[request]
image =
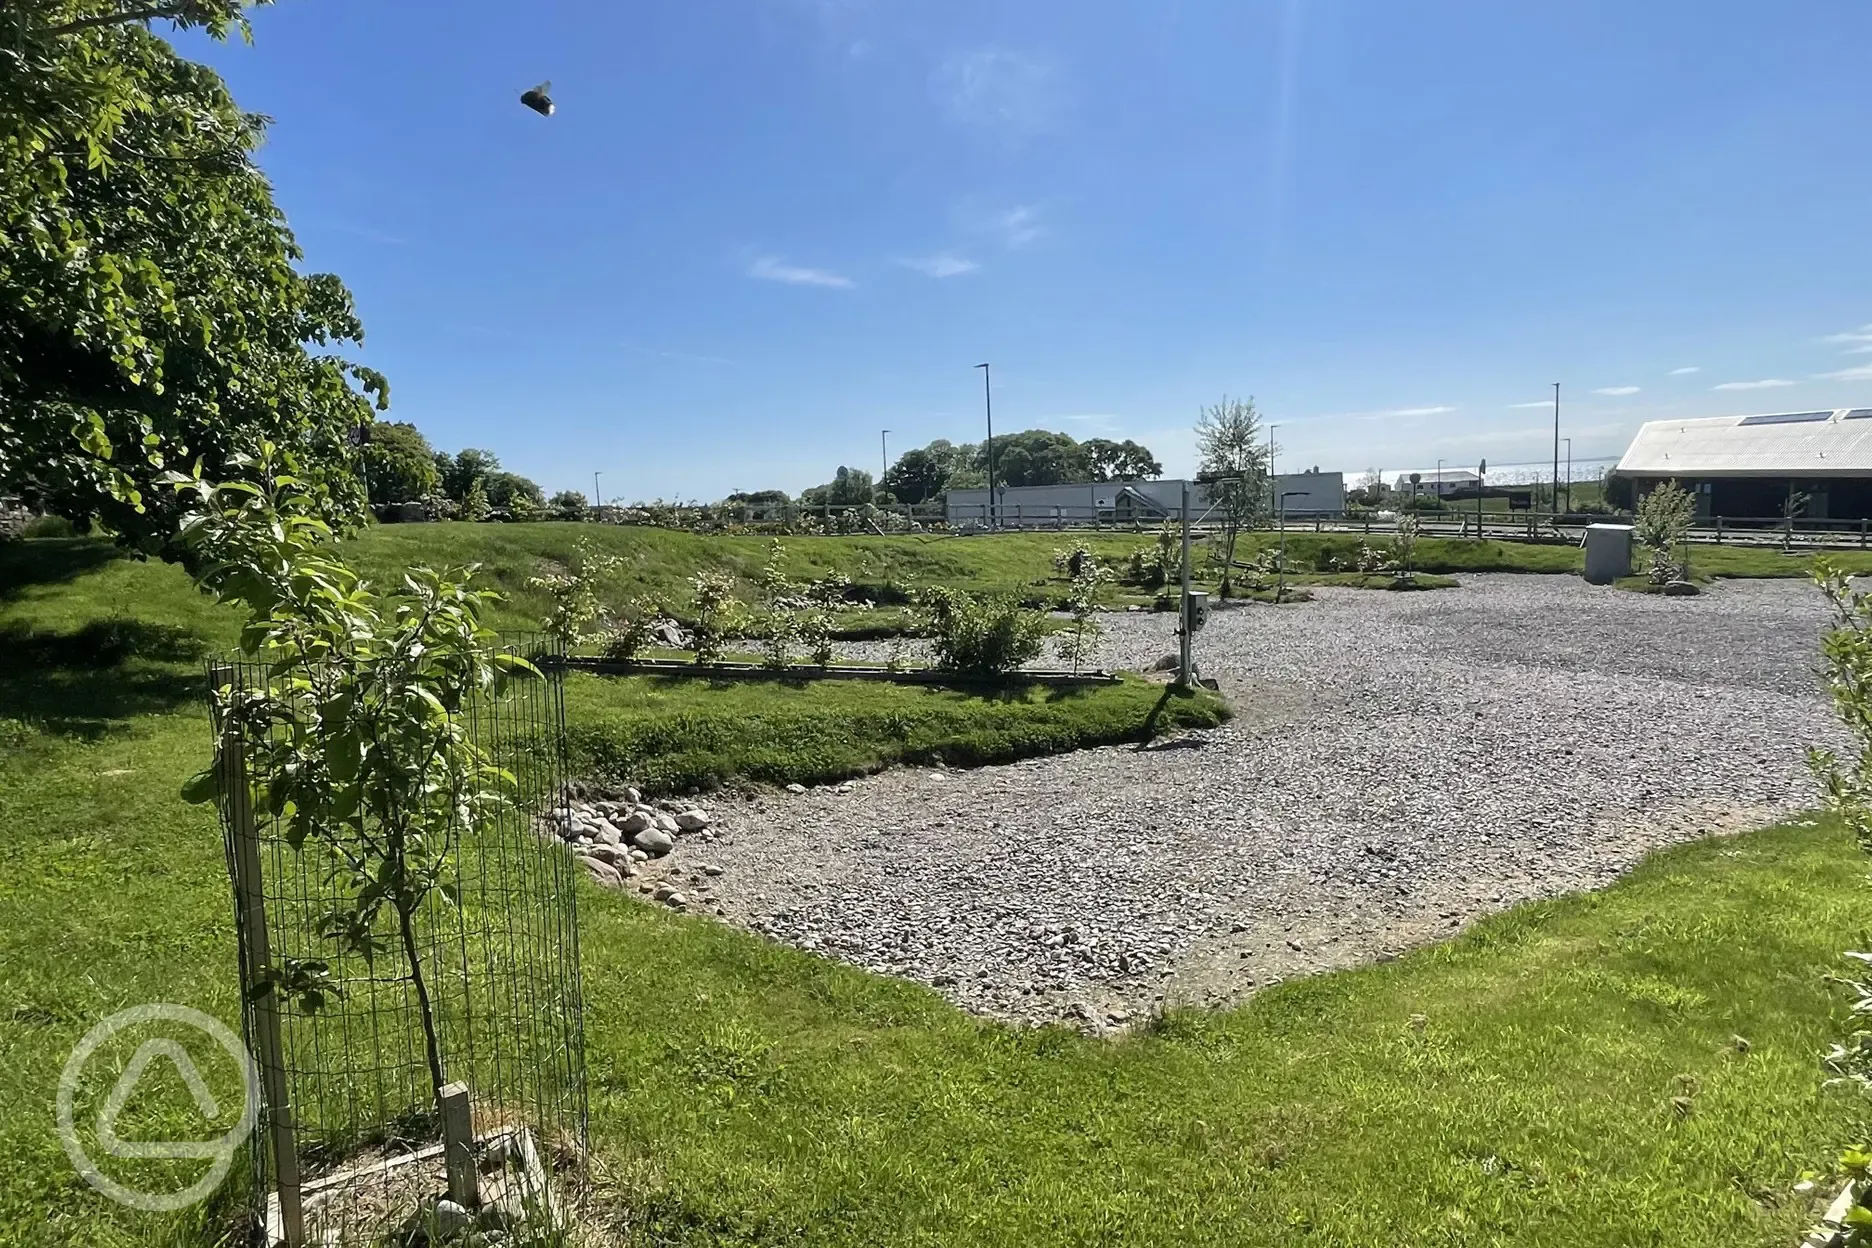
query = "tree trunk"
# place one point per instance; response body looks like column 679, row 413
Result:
column 432, row 1046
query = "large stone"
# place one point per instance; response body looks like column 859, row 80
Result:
column 692, row 821
column 637, row 821
column 451, row 1218
column 603, row 872
column 606, row 833
column 654, row 841
column 667, row 823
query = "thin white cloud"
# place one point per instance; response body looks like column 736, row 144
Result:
column 942, row 264
column 773, row 269
column 1862, row 373
column 1767, row 383
column 1009, row 94
column 1016, row 227
column 1389, row 413
column 683, row 356
column 1685, row 372
column 1616, row 392
column 1535, row 403
column 1860, row 340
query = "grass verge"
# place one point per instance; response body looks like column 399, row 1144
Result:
column 668, row 734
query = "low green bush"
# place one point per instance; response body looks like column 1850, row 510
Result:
column 984, row 636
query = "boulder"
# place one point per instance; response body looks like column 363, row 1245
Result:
column 667, row 823
column 637, row 821
column 654, row 841
column 603, row 872
column 606, row 833
column 692, row 821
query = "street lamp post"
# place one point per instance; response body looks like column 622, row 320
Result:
column 883, row 456
column 1440, row 491
column 597, row 498
column 1569, row 472
column 988, row 408
column 1272, row 487
column 1556, row 445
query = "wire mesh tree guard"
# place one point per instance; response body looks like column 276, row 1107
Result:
column 356, row 1143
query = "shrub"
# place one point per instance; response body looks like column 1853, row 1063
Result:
column 574, row 593
column 475, row 504
column 982, row 636
column 716, row 614
column 1846, row 653
column 630, row 632
column 1404, row 545
column 1661, row 525
column 1076, row 644
column 47, row 526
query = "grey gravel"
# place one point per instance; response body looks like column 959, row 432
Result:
column 1401, row 764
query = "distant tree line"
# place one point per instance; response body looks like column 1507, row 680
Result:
column 401, row 467
column 1034, row 457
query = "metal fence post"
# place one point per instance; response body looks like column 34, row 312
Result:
column 256, row 970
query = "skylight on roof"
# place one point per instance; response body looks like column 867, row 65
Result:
column 1784, row 418
column 1858, row 413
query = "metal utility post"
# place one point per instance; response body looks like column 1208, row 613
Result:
column 1480, row 472
column 1569, row 472
column 1556, row 445
column 597, row 498
column 988, row 407
column 884, row 458
column 1272, row 486
column 1280, row 569
column 1185, row 673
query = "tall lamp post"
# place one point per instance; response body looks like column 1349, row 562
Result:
column 883, row 455
column 597, row 498
column 1272, row 487
column 1556, row 445
column 988, row 407
column 1569, row 472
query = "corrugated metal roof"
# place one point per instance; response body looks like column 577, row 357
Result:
column 1836, row 443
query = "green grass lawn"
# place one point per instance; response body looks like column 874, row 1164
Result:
column 744, row 1093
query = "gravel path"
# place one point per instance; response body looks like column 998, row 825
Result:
column 1401, row 764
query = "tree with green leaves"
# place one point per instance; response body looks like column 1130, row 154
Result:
column 1037, row 457
column 358, row 739
column 568, row 505
column 1107, row 460
column 399, row 463
column 460, row 471
column 849, row 487
column 151, row 308
column 1234, row 461
column 918, row 475
column 512, row 493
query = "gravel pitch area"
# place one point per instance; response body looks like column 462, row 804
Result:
column 1400, row 764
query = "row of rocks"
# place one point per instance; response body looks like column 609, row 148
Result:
column 618, row 836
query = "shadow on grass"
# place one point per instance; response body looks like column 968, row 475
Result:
column 78, row 683
column 50, row 561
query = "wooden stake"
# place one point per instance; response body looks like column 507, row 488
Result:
column 458, row 1147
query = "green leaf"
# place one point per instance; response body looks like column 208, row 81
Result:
column 202, row 787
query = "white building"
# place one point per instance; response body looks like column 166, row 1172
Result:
column 1303, row 494
column 1438, row 481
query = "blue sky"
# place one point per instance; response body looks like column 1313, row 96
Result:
column 759, row 231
